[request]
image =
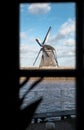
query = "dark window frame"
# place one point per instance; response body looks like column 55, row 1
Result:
column 77, row 72
column 11, row 71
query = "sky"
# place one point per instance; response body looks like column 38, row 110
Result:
column 34, row 22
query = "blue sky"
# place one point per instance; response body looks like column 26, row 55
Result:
column 34, row 21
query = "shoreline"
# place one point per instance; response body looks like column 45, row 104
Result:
column 47, row 68
column 54, row 79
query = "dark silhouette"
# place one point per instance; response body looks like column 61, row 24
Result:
column 26, row 114
column 13, row 117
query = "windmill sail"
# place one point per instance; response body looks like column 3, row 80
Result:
column 37, row 57
column 47, row 35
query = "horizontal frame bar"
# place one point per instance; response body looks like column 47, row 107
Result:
column 48, row 73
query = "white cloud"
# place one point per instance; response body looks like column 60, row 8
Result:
column 23, row 35
column 40, row 8
column 66, row 56
column 67, row 28
column 25, row 48
column 66, row 31
column 69, row 42
column 28, row 53
column 64, row 51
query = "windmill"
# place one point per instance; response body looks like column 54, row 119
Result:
column 48, row 58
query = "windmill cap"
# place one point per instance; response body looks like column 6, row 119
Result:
column 49, row 47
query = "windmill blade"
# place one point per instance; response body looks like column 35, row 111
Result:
column 37, row 56
column 55, row 58
column 47, row 35
column 38, row 41
column 56, row 61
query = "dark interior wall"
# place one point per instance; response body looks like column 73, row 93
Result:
column 10, row 74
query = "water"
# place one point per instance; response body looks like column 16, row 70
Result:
column 56, row 95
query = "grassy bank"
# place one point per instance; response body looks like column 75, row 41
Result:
column 50, row 79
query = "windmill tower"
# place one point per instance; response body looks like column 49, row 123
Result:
column 48, row 58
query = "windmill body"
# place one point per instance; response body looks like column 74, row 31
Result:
column 48, row 61
column 48, row 58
